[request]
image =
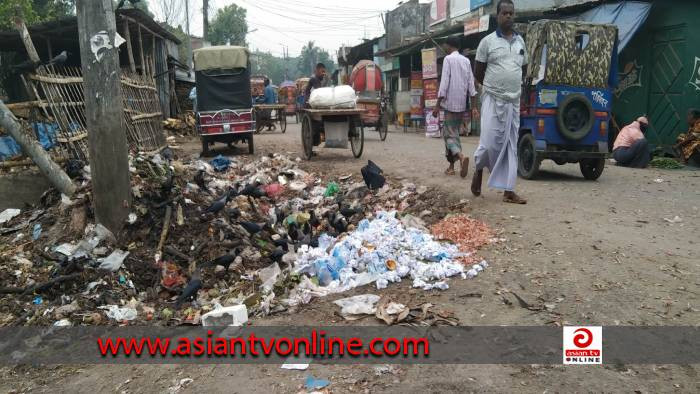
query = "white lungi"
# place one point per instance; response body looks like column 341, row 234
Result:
column 498, row 145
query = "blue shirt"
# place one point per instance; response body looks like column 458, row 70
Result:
column 270, row 96
column 193, row 97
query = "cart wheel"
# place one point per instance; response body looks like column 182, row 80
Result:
column 283, row 122
column 383, row 127
column 307, row 136
column 357, row 137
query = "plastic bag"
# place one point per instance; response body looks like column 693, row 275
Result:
column 372, row 175
column 343, row 96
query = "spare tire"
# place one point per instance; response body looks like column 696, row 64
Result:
column 575, row 117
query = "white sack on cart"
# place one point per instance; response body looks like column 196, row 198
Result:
column 342, row 96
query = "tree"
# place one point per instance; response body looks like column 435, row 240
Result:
column 312, row 55
column 229, row 26
column 172, row 11
column 33, row 11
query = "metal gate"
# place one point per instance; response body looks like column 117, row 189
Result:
column 667, row 84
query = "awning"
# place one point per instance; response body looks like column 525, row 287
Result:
column 628, row 16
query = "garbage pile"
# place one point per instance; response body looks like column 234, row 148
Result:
column 206, row 236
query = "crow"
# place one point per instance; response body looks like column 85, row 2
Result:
column 313, row 221
column 281, row 243
column 199, row 179
column 224, row 260
column 26, row 66
column 253, row 190
column 217, row 205
column 277, row 255
column 349, row 212
column 59, row 59
column 190, row 291
column 250, row 227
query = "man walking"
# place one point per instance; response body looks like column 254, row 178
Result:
column 500, row 64
column 456, row 87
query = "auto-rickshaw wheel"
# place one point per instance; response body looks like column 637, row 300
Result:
column 283, row 121
column 383, row 127
column 307, row 136
column 356, row 134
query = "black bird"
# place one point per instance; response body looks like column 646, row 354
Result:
column 232, row 193
column 314, row 242
column 59, row 59
column 281, row 243
column 277, row 255
column 199, row 179
column 217, row 205
column 224, row 260
column 307, row 228
column 25, row 66
column 252, row 228
column 190, row 291
column 253, row 190
column 293, row 232
column 349, row 212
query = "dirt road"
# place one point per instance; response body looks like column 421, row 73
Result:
column 595, row 253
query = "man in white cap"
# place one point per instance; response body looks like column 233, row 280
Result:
column 631, row 148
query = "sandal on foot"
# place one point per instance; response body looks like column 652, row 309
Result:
column 450, row 172
column 514, row 199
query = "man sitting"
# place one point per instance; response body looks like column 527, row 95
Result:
column 631, row 148
column 688, row 145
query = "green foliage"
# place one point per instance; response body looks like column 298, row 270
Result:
column 666, row 163
column 229, row 26
column 312, row 55
column 33, row 11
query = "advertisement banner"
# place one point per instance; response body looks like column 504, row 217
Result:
column 476, row 24
column 417, row 107
column 459, row 7
column 432, row 125
column 429, row 58
column 438, row 11
column 416, row 80
column 479, row 3
column 430, row 92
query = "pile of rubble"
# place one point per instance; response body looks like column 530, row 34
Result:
column 261, row 233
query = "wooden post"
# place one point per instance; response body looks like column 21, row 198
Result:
column 127, row 37
column 153, row 56
column 104, row 113
column 27, row 40
column 143, row 62
column 48, row 168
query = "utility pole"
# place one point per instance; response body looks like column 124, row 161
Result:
column 205, row 19
column 109, row 156
column 189, row 37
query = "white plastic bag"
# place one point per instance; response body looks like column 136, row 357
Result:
column 342, row 96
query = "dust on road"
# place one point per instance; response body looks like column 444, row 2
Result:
column 595, row 253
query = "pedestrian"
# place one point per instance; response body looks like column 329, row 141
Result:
column 319, row 80
column 456, row 89
column 270, row 97
column 631, row 148
column 501, row 59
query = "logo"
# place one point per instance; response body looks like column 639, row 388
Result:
column 599, row 97
column 695, row 78
column 629, row 78
column 583, row 345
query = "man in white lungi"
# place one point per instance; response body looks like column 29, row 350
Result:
column 501, row 60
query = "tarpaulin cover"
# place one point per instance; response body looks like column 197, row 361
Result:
column 366, row 76
column 628, row 16
column 223, row 89
column 220, row 57
column 45, row 134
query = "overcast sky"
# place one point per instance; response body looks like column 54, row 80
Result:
column 330, row 23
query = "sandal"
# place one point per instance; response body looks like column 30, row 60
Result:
column 464, row 171
column 514, row 199
column 449, row 172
